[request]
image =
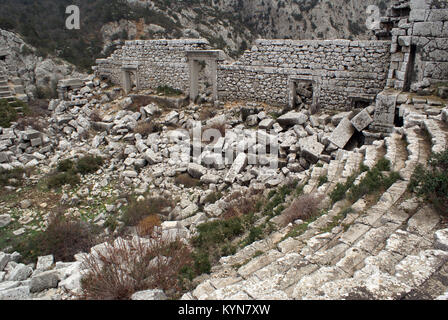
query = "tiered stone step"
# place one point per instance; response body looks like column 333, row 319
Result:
column 438, row 136
column 395, row 151
column 5, row 92
column 247, row 281
column 382, row 252
column 398, row 250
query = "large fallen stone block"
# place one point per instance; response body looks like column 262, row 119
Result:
column 292, row 118
column 238, row 165
column 342, row 134
column 44, row 280
column 20, row 273
column 311, row 149
column 19, row 293
column 44, row 263
column 362, row 120
column 266, row 124
column 31, row 134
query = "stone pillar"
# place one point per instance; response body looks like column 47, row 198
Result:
column 194, row 79
column 214, row 76
column 292, row 94
column 383, row 119
column 126, row 81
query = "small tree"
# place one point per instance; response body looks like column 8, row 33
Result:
column 124, row 267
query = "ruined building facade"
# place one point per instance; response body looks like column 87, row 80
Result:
column 411, row 49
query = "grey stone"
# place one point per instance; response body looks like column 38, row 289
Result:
column 19, row 293
column 210, row 178
column 130, row 174
column 311, row 149
column 362, row 120
column 252, row 120
column 25, row 204
column 44, row 280
column 31, row 134
column 196, row 170
column 440, row 240
column 4, row 259
column 152, row 157
column 4, row 157
column 149, row 295
column 20, row 273
column 292, row 118
column 343, row 133
column 266, row 124
column 238, row 165
column 9, row 285
column 5, row 219
column 44, row 263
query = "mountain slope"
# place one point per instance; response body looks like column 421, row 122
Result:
column 228, row 24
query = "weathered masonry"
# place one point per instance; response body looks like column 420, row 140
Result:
column 418, row 30
column 412, row 48
column 339, row 72
column 149, row 64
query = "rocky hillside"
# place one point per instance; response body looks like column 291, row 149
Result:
column 26, row 72
column 334, row 220
column 228, row 24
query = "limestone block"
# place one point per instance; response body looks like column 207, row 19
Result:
column 342, row 134
column 362, row 120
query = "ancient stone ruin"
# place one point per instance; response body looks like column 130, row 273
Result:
column 334, row 116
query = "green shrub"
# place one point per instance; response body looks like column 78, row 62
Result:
column 201, row 262
column 58, row 180
column 65, row 165
column 373, row 181
column 323, row 180
column 11, row 177
column 213, row 197
column 383, row 164
column 8, row 114
column 63, row 238
column 89, row 164
column 431, row 183
column 138, row 210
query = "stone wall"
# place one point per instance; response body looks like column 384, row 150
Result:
column 430, row 35
column 419, row 34
column 339, row 69
column 157, row 62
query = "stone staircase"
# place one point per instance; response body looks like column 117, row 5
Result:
column 5, row 92
column 381, row 250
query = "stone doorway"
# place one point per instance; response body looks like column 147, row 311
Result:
column 197, row 61
column 302, row 93
column 130, row 78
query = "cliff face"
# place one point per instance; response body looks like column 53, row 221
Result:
column 231, row 25
column 305, row 19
